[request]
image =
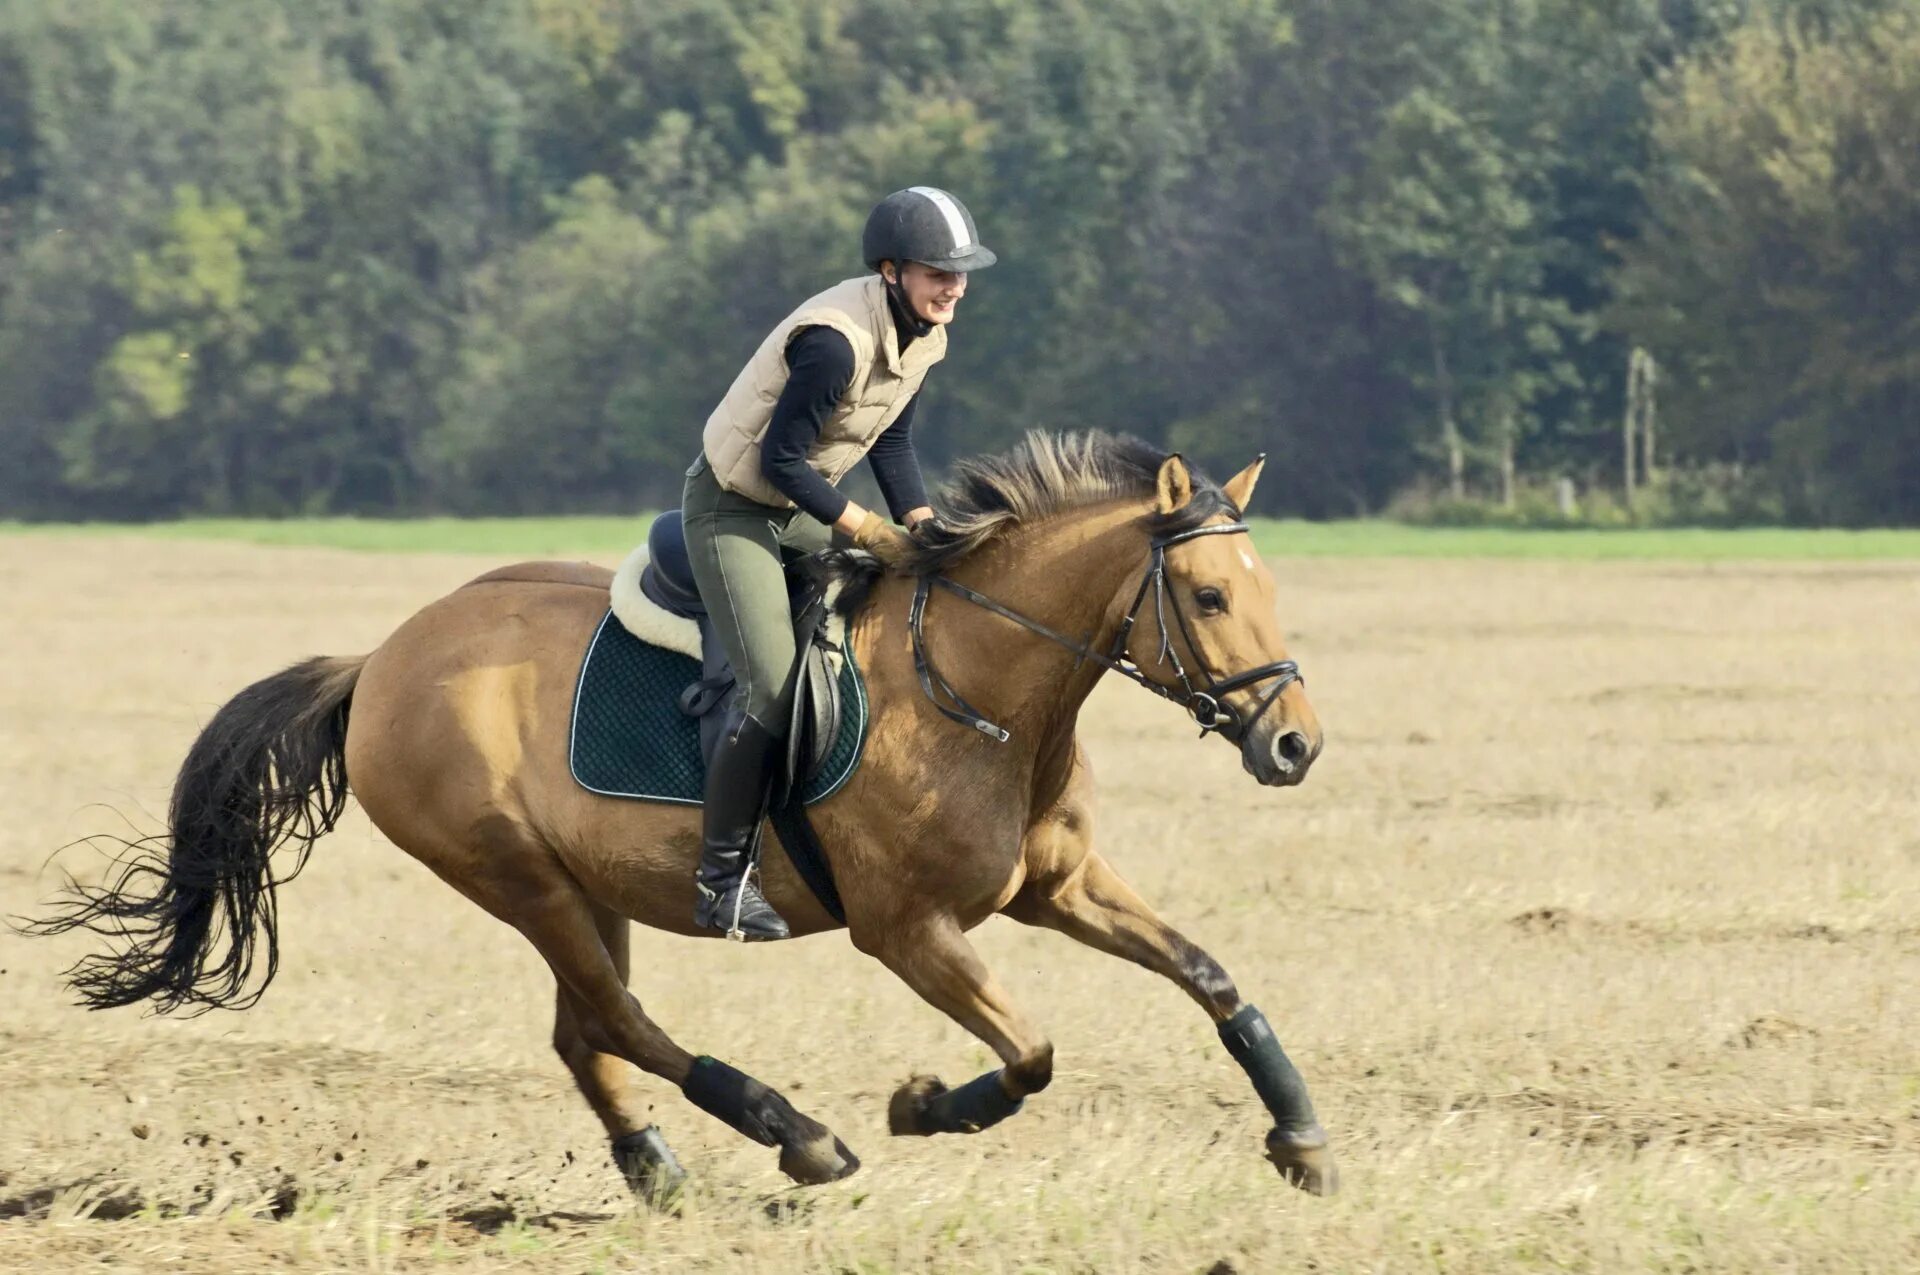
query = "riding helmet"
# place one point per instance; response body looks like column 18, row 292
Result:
column 924, row 224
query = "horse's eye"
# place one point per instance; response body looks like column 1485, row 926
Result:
column 1211, row 601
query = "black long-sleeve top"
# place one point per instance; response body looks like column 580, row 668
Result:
column 819, row 370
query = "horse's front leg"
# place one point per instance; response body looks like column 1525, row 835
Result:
column 934, row 958
column 1092, row 903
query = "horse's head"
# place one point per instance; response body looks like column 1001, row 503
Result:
column 1206, row 629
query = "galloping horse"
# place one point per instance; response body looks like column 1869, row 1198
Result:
column 1063, row 559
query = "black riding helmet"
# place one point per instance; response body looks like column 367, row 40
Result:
column 924, row 224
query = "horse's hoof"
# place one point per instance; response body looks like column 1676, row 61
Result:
column 1304, row 1159
column 825, row 1159
column 663, row 1190
column 907, row 1110
column 652, row 1172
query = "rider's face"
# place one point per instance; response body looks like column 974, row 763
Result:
column 934, row 294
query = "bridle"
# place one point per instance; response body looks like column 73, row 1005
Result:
column 1204, row 703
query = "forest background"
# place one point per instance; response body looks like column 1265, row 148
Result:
column 432, row 256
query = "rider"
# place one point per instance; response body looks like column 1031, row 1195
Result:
column 834, row 381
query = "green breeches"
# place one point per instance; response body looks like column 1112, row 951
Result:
column 735, row 544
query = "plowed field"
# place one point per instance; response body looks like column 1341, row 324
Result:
column 1596, row 932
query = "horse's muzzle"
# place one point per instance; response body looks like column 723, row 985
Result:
column 1281, row 758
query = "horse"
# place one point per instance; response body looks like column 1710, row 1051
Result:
column 1063, row 559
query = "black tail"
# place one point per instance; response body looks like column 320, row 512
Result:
column 190, row 908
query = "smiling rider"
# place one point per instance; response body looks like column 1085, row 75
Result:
column 835, row 381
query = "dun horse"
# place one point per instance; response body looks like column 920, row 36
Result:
column 1068, row 557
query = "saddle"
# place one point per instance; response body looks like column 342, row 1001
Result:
column 818, row 706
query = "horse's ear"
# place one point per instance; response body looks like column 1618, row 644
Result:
column 1175, row 487
column 1239, row 488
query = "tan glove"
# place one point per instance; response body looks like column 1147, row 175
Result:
column 884, row 540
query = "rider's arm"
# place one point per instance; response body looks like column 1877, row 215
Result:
column 819, row 369
column 897, row 469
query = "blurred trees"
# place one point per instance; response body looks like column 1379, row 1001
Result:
column 1779, row 272
column 424, row 254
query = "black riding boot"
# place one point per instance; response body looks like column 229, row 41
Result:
column 738, row 784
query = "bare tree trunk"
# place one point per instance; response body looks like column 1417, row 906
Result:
column 1628, row 423
column 1649, row 404
column 1506, row 458
column 1456, row 460
column 1642, row 374
column 1449, row 428
column 1503, row 410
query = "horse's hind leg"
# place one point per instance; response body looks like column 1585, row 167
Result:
column 558, row 919
column 935, row 959
column 607, row 1083
column 1093, row 904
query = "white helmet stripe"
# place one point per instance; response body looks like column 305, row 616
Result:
column 951, row 211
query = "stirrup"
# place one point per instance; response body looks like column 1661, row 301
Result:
column 709, row 916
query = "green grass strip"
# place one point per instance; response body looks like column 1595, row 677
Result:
column 1376, row 539
column 487, row 537
column 610, row 537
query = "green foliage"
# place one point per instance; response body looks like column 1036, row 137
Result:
column 1779, row 274
column 530, row 408
column 410, row 255
column 1533, row 506
column 1694, row 496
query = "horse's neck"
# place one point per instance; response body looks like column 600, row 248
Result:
column 1067, row 574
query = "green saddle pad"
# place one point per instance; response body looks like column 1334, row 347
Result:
column 630, row 738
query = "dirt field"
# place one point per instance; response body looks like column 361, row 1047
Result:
column 1596, row 932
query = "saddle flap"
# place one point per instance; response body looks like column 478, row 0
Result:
column 814, row 725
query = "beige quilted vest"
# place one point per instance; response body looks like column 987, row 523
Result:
column 884, row 382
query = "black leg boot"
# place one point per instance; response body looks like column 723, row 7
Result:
column 739, row 780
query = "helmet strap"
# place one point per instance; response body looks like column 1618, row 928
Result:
column 911, row 326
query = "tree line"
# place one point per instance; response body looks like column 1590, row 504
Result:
column 430, row 255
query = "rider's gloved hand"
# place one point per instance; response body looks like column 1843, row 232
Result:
column 884, row 540
column 929, row 529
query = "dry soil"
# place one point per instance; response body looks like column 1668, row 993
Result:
column 1596, row 932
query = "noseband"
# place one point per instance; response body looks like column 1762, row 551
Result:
column 1204, row 703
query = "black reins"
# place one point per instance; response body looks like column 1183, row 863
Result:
column 1203, row 703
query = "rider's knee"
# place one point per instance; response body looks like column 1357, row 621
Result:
column 765, row 705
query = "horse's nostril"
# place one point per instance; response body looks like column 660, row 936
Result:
column 1291, row 749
